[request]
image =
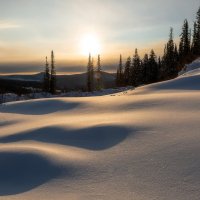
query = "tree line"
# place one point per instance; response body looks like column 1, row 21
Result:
column 150, row 69
column 93, row 76
column 140, row 71
column 135, row 71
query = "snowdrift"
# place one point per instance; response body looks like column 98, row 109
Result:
column 142, row 145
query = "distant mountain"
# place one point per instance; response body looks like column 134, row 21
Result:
column 65, row 82
column 20, row 77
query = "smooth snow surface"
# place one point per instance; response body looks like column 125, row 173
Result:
column 141, row 145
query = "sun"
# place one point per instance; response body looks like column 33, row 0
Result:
column 90, row 44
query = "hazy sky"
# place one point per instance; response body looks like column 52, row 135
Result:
column 30, row 29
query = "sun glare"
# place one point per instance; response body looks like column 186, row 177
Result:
column 90, row 44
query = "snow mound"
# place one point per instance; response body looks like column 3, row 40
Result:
column 93, row 138
column 21, row 172
column 142, row 145
column 189, row 80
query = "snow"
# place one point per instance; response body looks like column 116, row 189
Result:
column 195, row 65
column 10, row 97
column 142, row 144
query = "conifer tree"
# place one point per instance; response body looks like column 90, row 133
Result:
column 184, row 47
column 169, row 59
column 197, row 42
column 46, row 77
column 135, row 72
column 145, row 64
column 196, row 36
column 152, row 68
column 90, row 74
column 53, row 75
column 120, row 75
column 194, row 48
column 99, row 74
column 127, row 71
column 159, row 68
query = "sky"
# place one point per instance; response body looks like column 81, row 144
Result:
column 30, row 29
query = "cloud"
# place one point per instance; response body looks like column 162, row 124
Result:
column 8, row 25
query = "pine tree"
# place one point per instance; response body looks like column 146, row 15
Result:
column 184, row 47
column 159, row 68
column 46, row 77
column 169, row 67
column 145, row 64
column 120, row 75
column 152, row 68
column 135, row 71
column 53, row 75
column 90, row 74
column 99, row 74
column 127, row 71
column 89, row 87
column 197, row 42
column 196, row 36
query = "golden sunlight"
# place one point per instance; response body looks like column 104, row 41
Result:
column 90, row 44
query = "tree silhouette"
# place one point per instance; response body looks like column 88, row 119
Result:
column 90, row 74
column 120, row 75
column 99, row 74
column 53, row 75
column 46, row 77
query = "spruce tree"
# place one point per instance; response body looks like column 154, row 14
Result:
column 197, row 43
column 46, row 77
column 120, row 75
column 159, row 68
column 99, row 74
column 127, row 71
column 53, row 75
column 90, row 74
column 89, row 87
column 135, row 71
column 152, row 68
column 145, row 64
column 170, row 58
column 185, row 40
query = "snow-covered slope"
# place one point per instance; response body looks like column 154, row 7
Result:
column 142, row 145
column 195, row 65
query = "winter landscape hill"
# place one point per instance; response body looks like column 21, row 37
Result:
column 142, row 145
